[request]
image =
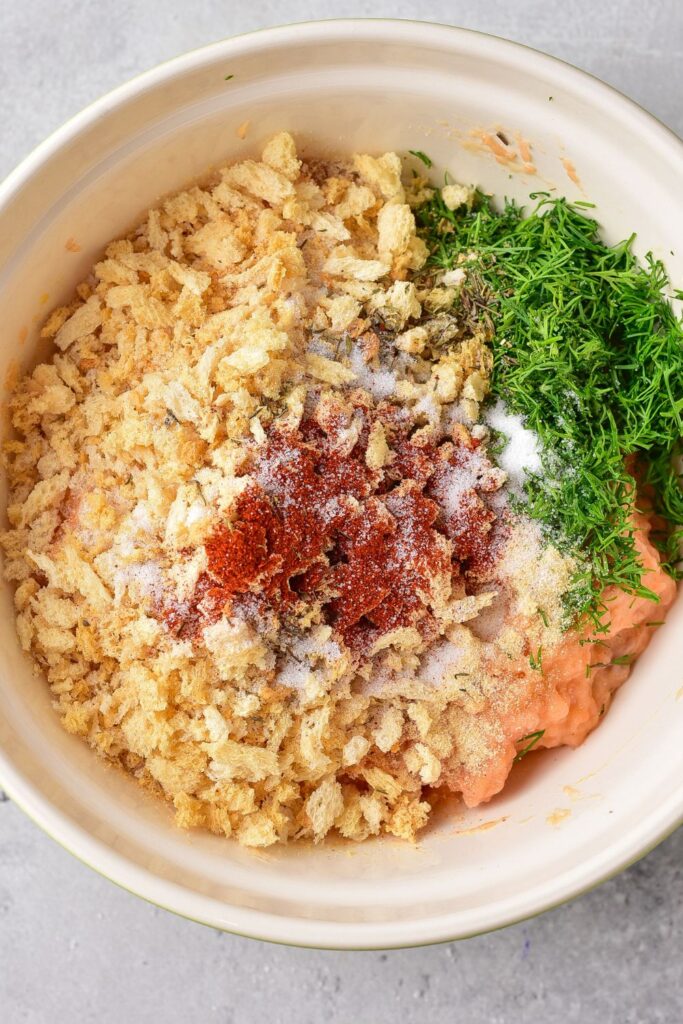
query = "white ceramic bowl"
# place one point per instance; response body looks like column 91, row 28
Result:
column 345, row 86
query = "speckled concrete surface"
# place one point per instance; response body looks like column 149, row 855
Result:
column 75, row 948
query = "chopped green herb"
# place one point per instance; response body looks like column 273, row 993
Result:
column 622, row 659
column 588, row 350
column 543, row 617
column 536, row 662
column 533, row 739
column 421, row 156
column 498, row 442
column 228, row 77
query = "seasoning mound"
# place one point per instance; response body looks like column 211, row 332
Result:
column 349, row 538
column 262, row 547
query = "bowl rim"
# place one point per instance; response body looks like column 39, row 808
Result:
column 311, row 933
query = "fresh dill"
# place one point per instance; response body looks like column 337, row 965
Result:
column 531, row 740
column 622, row 659
column 589, row 352
column 421, row 156
column 536, row 661
column 497, row 443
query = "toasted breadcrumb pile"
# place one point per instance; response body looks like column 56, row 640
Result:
column 223, row 313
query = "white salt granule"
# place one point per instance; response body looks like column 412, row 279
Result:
column 429, row 407
column 454, row 485
column 442, row 663
column 454, row 413
column 454, row 278
column 298, row 667
column 142, row 517
column 521, row 455
column 146, row 579
column 380, row 383
column 293, row 674
column 441, row 667
column 320, row 345
column 347, row 437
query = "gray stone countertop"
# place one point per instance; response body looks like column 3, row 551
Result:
column 73, row 947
